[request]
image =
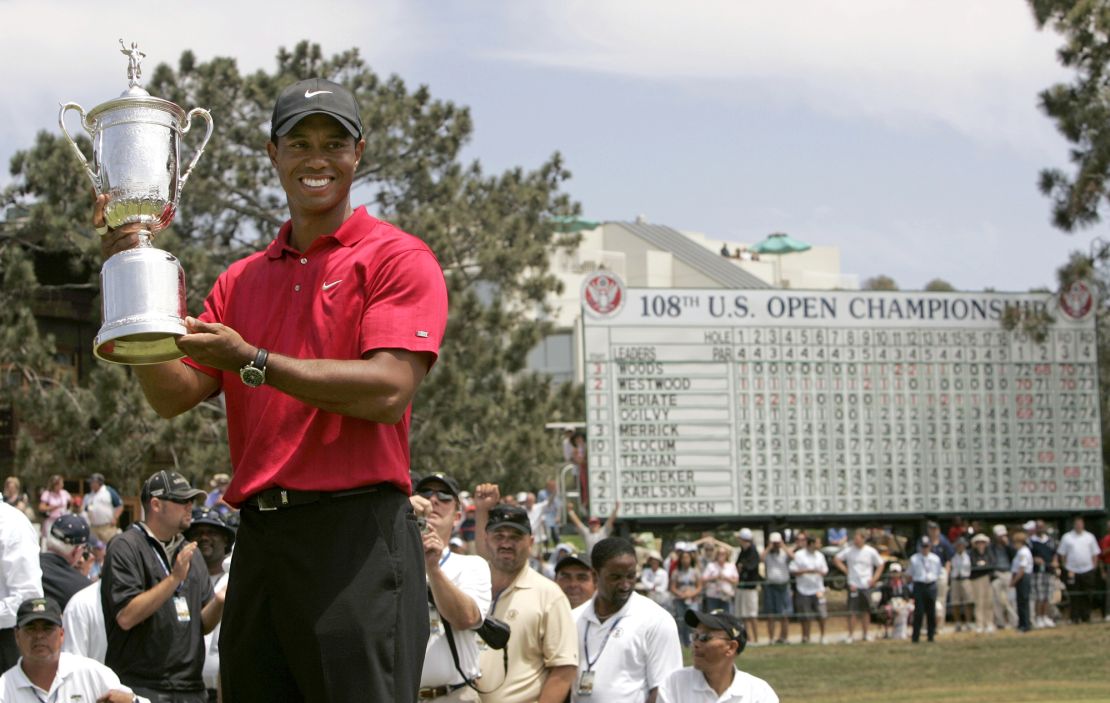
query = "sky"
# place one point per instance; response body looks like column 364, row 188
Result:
column 906, row 133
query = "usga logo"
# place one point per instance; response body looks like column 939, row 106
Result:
column 1077, row 301
column 602, row 293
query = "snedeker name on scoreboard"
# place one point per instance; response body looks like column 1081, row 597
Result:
column 760, row 403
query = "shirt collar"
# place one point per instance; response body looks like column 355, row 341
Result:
column 591, row 611
column 353, row 229
column 736, row 688
column 65, row 668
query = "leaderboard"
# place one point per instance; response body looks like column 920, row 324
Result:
column 706, row 403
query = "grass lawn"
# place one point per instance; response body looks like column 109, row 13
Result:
column 1069, row 663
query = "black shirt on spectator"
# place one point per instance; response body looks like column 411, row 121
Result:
column 60, row 580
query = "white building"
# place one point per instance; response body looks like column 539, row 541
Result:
column 656, row 256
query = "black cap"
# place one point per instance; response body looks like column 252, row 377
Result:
column 720, row 620
column 71, row 529
column 38, row 609
column 97, row 477
column 569, row 559
column 315, row 96
column 212, row 518
column 169, row 485
column 510, row 515
column 440, row 477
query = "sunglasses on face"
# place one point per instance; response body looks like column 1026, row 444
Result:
column 442, row 496
column 705, row 637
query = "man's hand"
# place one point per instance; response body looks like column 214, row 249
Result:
column 117, row 696
column 433, row 550
column 184, row 560
column 215, row 345
column 421, row 506
column 486, row 496
column 116, row 240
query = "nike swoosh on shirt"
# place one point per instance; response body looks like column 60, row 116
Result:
column 333, row 284
column 314, row 93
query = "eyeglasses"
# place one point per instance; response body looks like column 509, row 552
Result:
column 442, row 496
column 179, row 501
column 705, row 637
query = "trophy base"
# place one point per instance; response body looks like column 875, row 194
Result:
column 135, row 346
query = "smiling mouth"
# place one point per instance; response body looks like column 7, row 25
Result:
column 315, row 182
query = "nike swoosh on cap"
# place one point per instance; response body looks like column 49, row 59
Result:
column 314, row 93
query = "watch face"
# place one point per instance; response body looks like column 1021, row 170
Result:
column 252, row 376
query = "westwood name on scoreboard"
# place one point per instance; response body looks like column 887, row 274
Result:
column 705, row 403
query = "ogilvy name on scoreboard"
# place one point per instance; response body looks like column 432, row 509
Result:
column 771, row 402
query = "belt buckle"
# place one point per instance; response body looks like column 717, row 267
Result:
column 264, row 504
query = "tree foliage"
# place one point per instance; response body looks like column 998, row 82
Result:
column 1081, row 109
column 939, row 285
column 880, row 282
column 478, row 415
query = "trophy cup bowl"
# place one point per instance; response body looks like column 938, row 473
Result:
column 136, row 163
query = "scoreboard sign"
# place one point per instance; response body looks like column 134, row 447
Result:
column 706, row 403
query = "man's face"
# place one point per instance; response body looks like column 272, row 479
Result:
column 617, row 579
column 1040, row 527
column 39, row 641
column 176, row 515
column 316, row 163
column 859, row 539
column 445, row 509
column 211, row 543
column 709, row 654
column 1078, row 525
column 577, row 582
column 510, row 549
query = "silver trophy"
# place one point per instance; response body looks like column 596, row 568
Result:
column 136, row 162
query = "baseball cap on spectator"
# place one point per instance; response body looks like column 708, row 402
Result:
column 509, row 516
column 594, row 520
column 315, row 96
column 979, row 537
column 775, row 537
column 572, row 558
column 932, row 525
column 70, row 529
column 457, row 542
column 653, row 554
column 1029, row 526
column 97, row 477
column 744, row 534
column 439, row 477
column 719, row 620
column 895, row 568
column 521, row 496
column 212, row 518
column 998, row 530
column 169, row 485
column 925, row 541
column 34, row 609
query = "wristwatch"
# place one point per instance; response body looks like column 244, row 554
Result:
column 253, row 374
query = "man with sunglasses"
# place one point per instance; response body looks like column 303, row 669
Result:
column 714, row 678
column 459, row 586
column 157, row 598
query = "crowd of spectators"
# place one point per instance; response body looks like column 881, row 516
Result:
column 589, row 614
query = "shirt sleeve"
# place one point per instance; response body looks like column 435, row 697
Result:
column 407, row 305
column 19, row 562
column 560, row 639
column 475, row 582
column 664, row 652
column 116, row 500
column 122, row 576
column 213, row 312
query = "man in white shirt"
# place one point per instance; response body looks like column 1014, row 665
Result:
column 864, row 567
column 20, row 575
column 809, row 568
column 102, row 507
column 718, row 639
column 45, row 673
column 460, row 588
column 1080, row 552
column 596, row 531
column 1021, row 578
column 83, row 622
column 627, row 644
column 925, row 571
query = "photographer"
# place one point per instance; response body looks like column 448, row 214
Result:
column 66, row 560
column 459, row 585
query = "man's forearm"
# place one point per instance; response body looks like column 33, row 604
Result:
column 557, row 686
column 453, row 605
column 210, row 616
column 146, row 603
column 173, row 387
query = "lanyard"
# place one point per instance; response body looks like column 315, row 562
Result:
column 586, row 643
column 160, row 554
column 446, row 557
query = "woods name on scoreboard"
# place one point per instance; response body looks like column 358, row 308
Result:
column 850, row 403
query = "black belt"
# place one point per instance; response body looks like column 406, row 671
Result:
column 279, row 498
column 430, row 692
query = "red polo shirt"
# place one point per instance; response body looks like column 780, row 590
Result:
column 367, row 286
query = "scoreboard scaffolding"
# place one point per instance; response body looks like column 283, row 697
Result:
column 761, row 403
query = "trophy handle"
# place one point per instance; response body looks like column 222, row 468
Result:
column 207, row 116
column 94, row 177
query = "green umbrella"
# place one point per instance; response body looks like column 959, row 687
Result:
column 569, row 223
column 779, row 243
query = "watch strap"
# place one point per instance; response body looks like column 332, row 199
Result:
column 260, row 359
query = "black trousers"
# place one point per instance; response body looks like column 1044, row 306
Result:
column 171, row 696
column 1023, row 589
column 9, row 653
column 924, row 604
column 327, row 602
column 1080, row 593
